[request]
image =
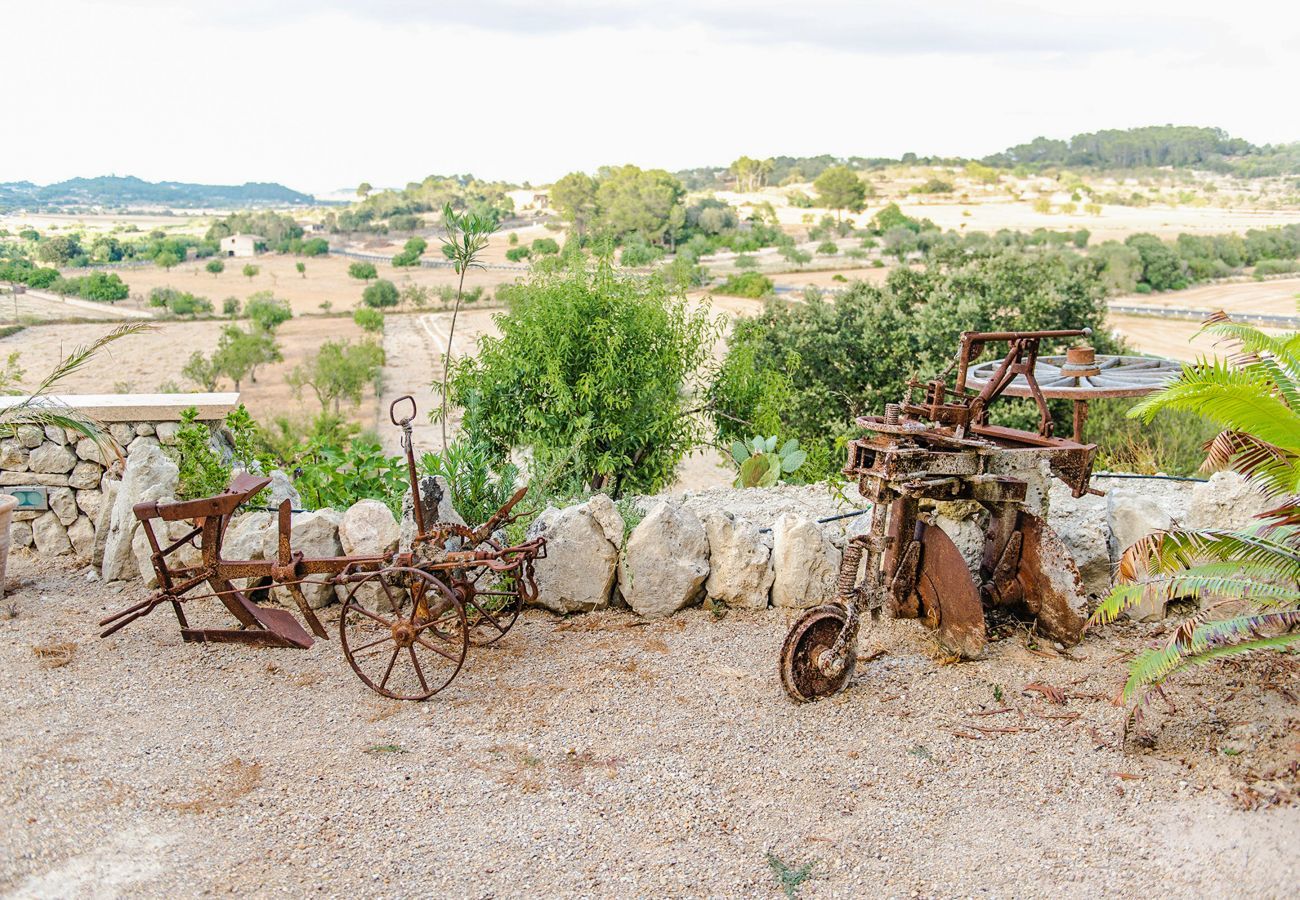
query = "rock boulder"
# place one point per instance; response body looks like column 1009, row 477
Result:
column 582, row 549
column 666, row 561
column 806, row 563
column 740, row 562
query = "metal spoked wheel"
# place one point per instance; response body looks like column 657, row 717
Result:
column 404, row 633
column 492, row 601
column 805, row 649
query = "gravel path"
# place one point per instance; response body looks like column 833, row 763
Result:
column 602, row 756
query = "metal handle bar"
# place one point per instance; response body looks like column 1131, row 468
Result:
column 392, row 411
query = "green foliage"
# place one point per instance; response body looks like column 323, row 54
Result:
column 335, row 473
column 789, row 878
column 380, row 295
column 411, row 253
column 250, row 271
column 840, row 188
column 339, row 371
column 1252, row 396
column 592, row 371
column 277, row 228
column 828, row 248
column 203, row 470
column 832, row 361
column 215, row 266
column 762, row 464
column 1172, row 442
column 266, row 311
column 746, row 284
column 517, row 254
column 745, row 262
column 933, row 186
column 362, row 271
column 179, row 303
column 101, row 286
column 480, row 482
column 369, row 320
column 631, row 200
column 545, row 247
column 799, row 200
column 301, row 268
column 230, row 307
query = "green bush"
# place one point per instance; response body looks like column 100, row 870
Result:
column 746, row 284
column 545, row 247
column 480, row 483
column 517, row 254
column 591, row 371
column 215, row 266
column 369, row 320
column 363, row 271
column 380, row 295
column 828, row 248
column 745, row 262
column 1276, row 266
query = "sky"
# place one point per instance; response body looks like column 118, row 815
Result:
column 323, row 94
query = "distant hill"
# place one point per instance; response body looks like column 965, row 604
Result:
column 116, row 192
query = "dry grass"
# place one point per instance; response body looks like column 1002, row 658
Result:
column 234, row 781
column 56, row 654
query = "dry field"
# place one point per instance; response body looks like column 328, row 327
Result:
column 1275, row 296
column 606, row 756
column 143, row 362
column 326, row 281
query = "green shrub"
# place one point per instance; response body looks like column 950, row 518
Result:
column 363, row 271
column 380, row 295
column 746, row 284
column 215, row 266
column 828, row 248
column 480, row 483
column 1276, row 266
column 517, row 254
column 745, row 262
column 590, row 370
column 545, row 247
column 370, row 320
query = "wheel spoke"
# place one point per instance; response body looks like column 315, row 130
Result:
column 387, row 637
column 419, row 673
column 365, row 612
column 389, row 670
column 487, row 615
column 421, row 641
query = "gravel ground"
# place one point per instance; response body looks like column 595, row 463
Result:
column 602, row 756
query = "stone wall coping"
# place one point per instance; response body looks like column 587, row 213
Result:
column 142, row 407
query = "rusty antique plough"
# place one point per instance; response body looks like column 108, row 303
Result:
column 407, row 619
column 943, row 448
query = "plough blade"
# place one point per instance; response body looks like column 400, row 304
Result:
column 949, row 597
column 1050, row 587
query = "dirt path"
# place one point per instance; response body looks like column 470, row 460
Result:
column 585, row 757
column 414, row 346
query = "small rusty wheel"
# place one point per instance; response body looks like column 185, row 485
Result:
column 403, row 632
column 493, row 601
column 808, row 644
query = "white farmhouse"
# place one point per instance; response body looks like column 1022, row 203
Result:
column 241, row 244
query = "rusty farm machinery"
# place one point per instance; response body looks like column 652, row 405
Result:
column 407, row 618
column 941, row 447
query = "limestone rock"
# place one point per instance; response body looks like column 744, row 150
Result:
column 143, row 429
column 246, row 535
column 103, row 520
column 1081, row 523
column 89, row 502
column 740, row 561
column 280, row 489
column 122, row 432
column 435, row 503
column 166, row 432
column 64, row 505
column 20, row 534
column 82, row 535
column 55, row 459
column 965, row 523
column 85, row 475
column 806, row 563
column 13, row 456
column 1132, row 515
column 666, row 561
column 30, row 436
column 49, row 535
column 368, row 528
column 1226, row 501
column 55, row 434
column 89, row 451
column 315, row 534
column 582, row 546
column 138, row 443
column 149, row 475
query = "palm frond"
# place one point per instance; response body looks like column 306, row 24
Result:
column 83, row 354
column 1208, row 643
